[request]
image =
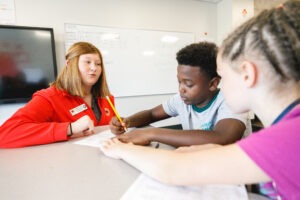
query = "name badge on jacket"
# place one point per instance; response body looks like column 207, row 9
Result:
column 78, row 109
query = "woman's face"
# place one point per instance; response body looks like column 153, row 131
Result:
column 90, row 68
column 232, row 86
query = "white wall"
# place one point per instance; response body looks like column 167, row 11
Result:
column 167, row 15
column 237, row 7
column 229, row 16
column 198, row 17
column 224, row 19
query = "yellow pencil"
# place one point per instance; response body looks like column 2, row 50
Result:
column 114, row 109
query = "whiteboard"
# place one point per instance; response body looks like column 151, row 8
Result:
column 137, row 62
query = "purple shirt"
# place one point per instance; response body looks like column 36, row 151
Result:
column 276, row 150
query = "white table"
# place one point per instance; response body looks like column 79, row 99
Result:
column 62, row 171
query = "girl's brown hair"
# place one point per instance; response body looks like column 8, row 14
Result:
column 69, row 78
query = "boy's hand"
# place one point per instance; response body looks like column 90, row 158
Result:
column 116, row 127
column 138, row 137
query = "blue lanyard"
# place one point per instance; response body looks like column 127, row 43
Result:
column 286, row 110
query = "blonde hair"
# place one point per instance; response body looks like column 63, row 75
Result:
column 69, row 78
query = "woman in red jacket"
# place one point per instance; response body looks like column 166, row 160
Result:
column 73, row 104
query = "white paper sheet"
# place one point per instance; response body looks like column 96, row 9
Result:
column 147, row 188
column 103, row 135
column 96, row 139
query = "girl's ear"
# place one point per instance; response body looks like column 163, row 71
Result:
column 67, row 62
column 213, row 83
column 249, row 73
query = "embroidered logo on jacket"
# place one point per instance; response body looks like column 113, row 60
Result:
column 107, row 111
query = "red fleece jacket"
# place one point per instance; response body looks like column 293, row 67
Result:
column 45, row 119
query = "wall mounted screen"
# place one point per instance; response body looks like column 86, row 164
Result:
column 27, row 62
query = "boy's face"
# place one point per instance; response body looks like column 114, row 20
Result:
column 193, row 85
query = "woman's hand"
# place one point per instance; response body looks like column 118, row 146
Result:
column 82, row 127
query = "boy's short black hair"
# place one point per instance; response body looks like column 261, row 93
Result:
column 202, row 55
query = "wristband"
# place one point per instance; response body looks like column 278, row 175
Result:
column 69, row 135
